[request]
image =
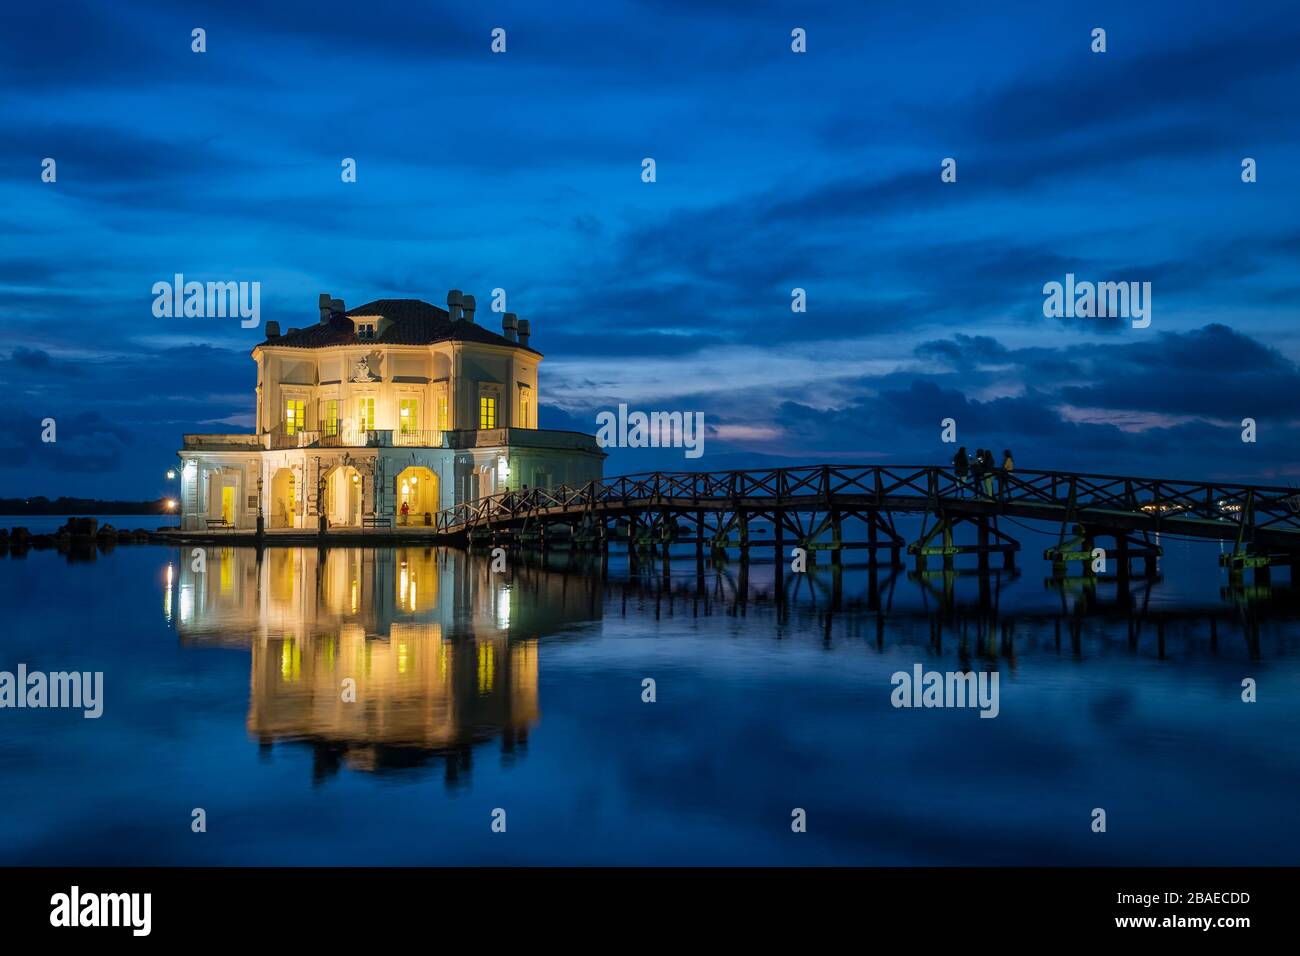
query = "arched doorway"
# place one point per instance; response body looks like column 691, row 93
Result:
column 343, row 497
column 284, row 499
column 417, row 488
column 224, row 496
column 487, row 481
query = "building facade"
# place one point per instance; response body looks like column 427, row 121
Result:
column 382, row 414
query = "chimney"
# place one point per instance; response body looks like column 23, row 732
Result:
column 455, row 303
column 337, row 307
column 524, row 330
column 272, row 330
column 324, row 306
column 509, row 326
column 470, row 306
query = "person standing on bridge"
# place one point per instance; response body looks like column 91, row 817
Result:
column 987, row 467
column 960, row 469
column 977, row 470
column 1008, row 466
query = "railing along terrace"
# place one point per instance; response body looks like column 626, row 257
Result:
column 427, row 438
column 902, row 487
column 281, row 437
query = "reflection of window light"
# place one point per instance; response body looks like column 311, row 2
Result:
column 290, row 660
column 503, row 608
column 167, row 596
column 486, row 668
column 187, row 603
column 402, row 656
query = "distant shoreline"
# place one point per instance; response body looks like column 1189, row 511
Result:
column 72, row 507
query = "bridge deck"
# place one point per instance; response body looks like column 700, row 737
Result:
column 1258, row 515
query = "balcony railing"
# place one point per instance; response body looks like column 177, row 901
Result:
column 227, row 442
column 281, row 437
column 428, row 438
column 343, row 434
column 331, row 434
column 544, row 438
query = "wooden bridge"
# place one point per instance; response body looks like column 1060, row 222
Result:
column 838, row 508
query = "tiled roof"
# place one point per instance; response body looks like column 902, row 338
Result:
column 413, row 323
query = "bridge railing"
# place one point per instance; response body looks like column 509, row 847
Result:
column 1270, row 507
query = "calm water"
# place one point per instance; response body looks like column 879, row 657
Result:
column 522, row 691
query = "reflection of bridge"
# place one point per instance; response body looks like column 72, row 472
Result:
column 868, row 600
column 836, row 508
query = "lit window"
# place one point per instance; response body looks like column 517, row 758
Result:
column 408, row 415
column 295, row 415
column 525, row 409
column 487, row 411
column 444, row 422
column 366, row 414
column 330, row 414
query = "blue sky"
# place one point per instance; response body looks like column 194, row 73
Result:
column 775, row 170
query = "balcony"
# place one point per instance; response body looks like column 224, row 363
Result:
column 280, row 437
column 233, row 442
column 429, row 438
column 544, row 438
column 341, row 434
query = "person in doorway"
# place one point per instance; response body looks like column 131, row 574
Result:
column 406, row 512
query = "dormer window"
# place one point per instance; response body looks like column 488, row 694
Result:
column 366, row 326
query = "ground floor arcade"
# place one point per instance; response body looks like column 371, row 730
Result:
column 229, row 488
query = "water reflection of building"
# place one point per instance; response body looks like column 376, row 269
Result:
column 442, row 651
